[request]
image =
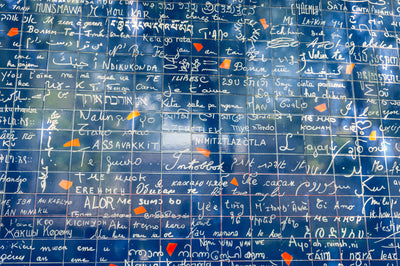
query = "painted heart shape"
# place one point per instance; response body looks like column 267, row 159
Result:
column 362, row 125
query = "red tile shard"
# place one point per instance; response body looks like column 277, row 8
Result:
column 140, row 210
column 234, row 182
column 133, row 115
column 226, row 64
column 203, row 151
column 321, row 108
column 349, row 69
column 264, row 23
column 65, row 184
column 287, row 258
column 171, row 248
column 198, row 46
column 12, row 32
column 72, row 143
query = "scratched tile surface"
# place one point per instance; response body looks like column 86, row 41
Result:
column 199, row 133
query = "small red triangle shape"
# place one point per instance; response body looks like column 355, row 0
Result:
column 198, row 46
column 264, row 23
column 321, row 108
column 234, row 182
column 203, row 151
column 226, row 64
column 12, row 32
column 171, row 248
column 72, row 143
column 287, row 258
